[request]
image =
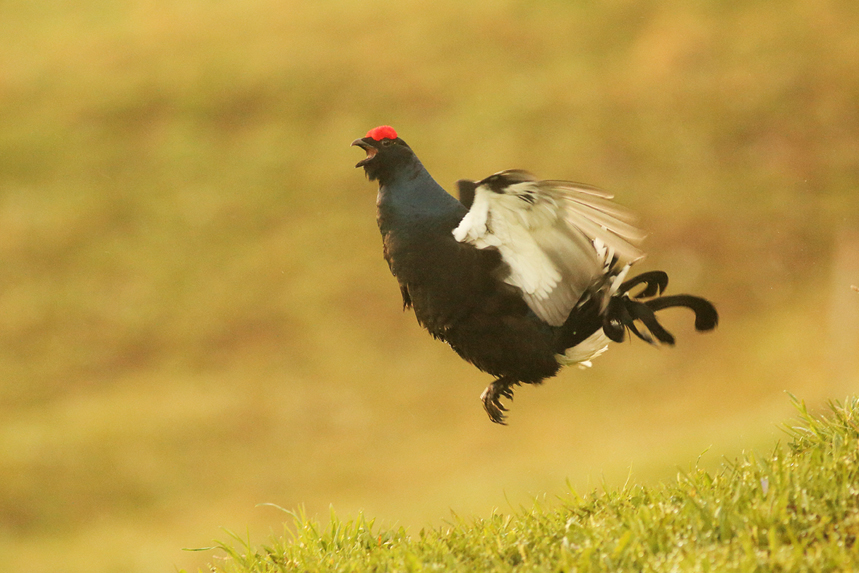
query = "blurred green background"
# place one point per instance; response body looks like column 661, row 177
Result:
column 195, row 317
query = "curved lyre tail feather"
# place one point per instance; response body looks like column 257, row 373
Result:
column 627, row 313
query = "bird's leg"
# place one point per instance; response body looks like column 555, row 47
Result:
column 491, row 398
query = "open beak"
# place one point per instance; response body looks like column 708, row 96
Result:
column 371, row 151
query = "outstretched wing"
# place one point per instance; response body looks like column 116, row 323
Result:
column 557, row 237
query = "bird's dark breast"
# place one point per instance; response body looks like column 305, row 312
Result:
column 457, row 294
column 517, row 346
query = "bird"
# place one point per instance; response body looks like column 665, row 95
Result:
column 519, row 276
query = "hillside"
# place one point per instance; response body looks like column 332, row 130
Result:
column 794, row 509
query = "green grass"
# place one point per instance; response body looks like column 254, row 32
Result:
column 796, row 509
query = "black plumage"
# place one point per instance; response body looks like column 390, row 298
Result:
column 519, row 276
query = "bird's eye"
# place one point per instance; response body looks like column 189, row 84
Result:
column 387, row 142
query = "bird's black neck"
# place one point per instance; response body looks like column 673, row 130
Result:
column 411, row 197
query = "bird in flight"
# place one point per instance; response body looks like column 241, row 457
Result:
column 520, row 276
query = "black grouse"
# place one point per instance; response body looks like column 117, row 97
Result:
column 519, row 276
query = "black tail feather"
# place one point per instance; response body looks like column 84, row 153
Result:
column 622, row 314
column 624, row 311
column 645, row 314
column 706, row 317
column 657, row 282
column 616, row 320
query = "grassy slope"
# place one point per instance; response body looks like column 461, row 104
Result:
column 796, row 509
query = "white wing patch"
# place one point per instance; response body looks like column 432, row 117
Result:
column 555, row 236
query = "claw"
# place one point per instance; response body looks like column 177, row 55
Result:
column 491, row 399
column 494, row 408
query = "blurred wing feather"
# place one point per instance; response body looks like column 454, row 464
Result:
column 592, row 211
column 546, row 232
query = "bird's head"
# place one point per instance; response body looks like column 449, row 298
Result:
column 385, row 153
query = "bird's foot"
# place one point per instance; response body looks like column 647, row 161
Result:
column 491, row 399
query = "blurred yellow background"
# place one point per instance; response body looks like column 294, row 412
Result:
column 195, row 317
